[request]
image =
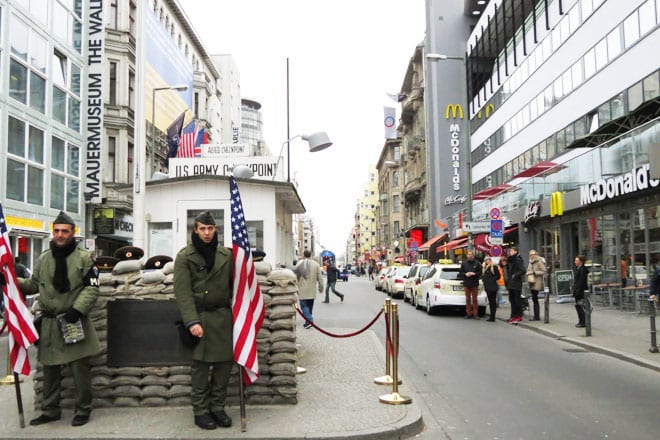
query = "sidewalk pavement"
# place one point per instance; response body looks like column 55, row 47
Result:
column 620, row 334
column 337, row 397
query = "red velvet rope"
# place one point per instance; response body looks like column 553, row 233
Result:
column 335, row 335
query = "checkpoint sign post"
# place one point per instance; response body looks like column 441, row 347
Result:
column 496, row 232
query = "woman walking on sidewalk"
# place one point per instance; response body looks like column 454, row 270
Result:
column 490, row 275
column 515, row 272
column 535, row 273
column 580, row 284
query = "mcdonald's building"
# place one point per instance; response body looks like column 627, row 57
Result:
column 566, row 152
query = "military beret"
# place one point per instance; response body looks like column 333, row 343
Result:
column 205, row 218
column 258, row 255
column 105, row 263
column 63, row 219
column 157, row 262
column 129, row 253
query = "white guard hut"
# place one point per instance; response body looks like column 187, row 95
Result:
column 172, row 204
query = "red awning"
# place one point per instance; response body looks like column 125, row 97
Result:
column 452, row 244
column 493, row 191
column 542, row 168
column 427, row 245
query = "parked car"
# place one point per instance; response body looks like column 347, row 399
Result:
column 343, row 275
column 442, row 289
column 394, row 281
column 415, row 276
column 380, row 278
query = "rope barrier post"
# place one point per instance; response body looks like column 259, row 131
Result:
column 652, row 313
column 387, row 379
column 9, row 378
column 395, row 398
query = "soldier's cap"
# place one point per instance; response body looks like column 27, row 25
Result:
column 64, row 219
column 157, row 262
column 105, row 263
column 258, row 255
column 128, row 253
column 205, row 218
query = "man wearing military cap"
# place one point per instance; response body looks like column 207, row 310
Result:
column 203, row 289
column 67, row 282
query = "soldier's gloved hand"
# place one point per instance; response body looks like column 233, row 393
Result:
column 2, row 280
column 72, row 315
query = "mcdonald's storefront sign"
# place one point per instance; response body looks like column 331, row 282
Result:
column 487, row 110
column 455, row 110
column 556, row 204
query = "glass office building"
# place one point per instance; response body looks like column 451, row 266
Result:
column 564, row 105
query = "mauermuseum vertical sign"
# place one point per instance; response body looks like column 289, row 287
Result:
column 94, row 94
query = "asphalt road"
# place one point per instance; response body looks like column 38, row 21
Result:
column 483, row 380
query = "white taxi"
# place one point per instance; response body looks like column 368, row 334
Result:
column 394, row 281
column 442, row 289
column 414, row 279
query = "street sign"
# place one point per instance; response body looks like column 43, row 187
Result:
column 495, row 213
column 496, row 251
column 476, row 226
column 496, row 231
column 414, row 245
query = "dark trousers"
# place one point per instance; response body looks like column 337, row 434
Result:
column 516, row 303
column 52, row 385
column 331, row 286
column 209, row 391
column 579, row 308
column 535, row 300
column 492, row 302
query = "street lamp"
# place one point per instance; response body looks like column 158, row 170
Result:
column 468, row 148
column 179, row 88
column 317, row 141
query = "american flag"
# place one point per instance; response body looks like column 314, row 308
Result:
column 192, row 138
column 248, row 306
column 22, row 333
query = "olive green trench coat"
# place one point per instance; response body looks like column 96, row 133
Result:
column 83, row 278
column 204, row 296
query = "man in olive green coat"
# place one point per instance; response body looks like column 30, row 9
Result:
column 203, row 273
column 67, row 282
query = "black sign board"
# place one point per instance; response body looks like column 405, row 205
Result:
column 564, row 281
column 104, row 221
column 142, row 333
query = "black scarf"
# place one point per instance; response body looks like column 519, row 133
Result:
column 61, row 277
column 206, row 249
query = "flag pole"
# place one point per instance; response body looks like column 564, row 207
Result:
column 19, row 400
column 241, row 397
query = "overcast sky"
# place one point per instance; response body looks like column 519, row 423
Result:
column 344, row 55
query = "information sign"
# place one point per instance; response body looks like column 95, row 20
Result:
column 496, row 231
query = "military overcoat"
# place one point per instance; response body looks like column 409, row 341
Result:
column 204, row 296
column 83, row 278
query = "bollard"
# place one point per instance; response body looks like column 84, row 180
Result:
column 587, row 313
column 546, row 305
column 387, row 379
column 652, row 312
column 395, row 398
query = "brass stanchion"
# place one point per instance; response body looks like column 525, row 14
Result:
column 387, row 379
column 9, row 378
column 395, row 398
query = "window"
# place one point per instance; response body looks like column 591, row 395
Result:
column 396, row 203
column 112, row 98
column 109, row 169
column 66, row 77
column 651, row 86
column 25, row 171
column 131, row 90
column 131, row 17
column 646, row 17
column 395, row 179
column 112, row 15
column 614, row 43
column 631, row 29
column 65, row 175
column 27, row 66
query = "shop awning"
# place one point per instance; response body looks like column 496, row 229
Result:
column 645, row 112
column 427, row 244
column 452, row 245
column 399, row 259
column 543, row 168
column 493, row 191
